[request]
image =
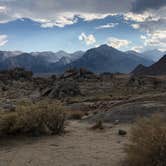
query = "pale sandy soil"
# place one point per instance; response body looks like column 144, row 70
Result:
column 80, row 146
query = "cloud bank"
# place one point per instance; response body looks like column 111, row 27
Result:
column 59, row 12
column 117, row 43
column 143, row 5
column 148, row 16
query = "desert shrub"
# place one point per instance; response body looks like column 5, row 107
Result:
column 75, row 115
column 98, row 125
column 148, row 143
column 33, row 119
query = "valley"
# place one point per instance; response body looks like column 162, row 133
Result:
column 97, row 107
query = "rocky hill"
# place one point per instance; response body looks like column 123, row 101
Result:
column 158, row 68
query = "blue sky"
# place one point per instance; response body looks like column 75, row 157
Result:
column 26, row 27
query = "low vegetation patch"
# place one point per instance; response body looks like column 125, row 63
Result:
column 33, row 119
column 148, row 143
column 98, row 125
column 75, row 115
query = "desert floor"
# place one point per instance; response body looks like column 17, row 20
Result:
column 79, row 146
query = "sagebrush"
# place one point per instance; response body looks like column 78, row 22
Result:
column 34, row 119
column 148, row 143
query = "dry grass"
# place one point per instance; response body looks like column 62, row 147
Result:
column 148, row 146
column 75, row 115
column 33, row 119
column 98, row 125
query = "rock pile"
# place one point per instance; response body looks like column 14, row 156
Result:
column 62, row 89
column 15, row 74
column 146, row 82
column 78, row 74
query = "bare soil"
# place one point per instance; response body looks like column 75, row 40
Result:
column 80, row 146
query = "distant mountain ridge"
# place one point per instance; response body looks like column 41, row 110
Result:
column 38, row 62
column 158, row 68
column 154, row 55
column 101, row 59
column 109, row 59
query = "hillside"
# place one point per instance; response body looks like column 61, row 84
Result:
column 158, row 68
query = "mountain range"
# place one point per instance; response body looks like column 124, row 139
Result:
column 154, row 55
column 100, row 59
column 109, row 59
column 158, row 68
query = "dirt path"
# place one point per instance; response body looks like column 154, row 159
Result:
column 78, row 147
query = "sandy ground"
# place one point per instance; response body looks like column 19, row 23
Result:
column 80, row 146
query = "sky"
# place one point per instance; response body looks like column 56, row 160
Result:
column 71, row 25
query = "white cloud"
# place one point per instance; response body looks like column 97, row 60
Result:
column 3, row 40
column 142, row 37
column 88, row 39
column 93, row 16
column 2, row 9
column 156, row 39
column 59, row 12
column 117, row 43
column 135, row 26
column 97, row 45
column 137, row 17
column 137, row 48
column 148, row 21
column 64, row 12
column 60, row 21
column 152, row 23
column 109, row 25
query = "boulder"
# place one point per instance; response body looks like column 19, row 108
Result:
column 122, row 132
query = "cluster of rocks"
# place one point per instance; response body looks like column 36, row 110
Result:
column 78, row 74
column 14, row 82
column 107, row 75
column 15, row 74
column 67, row 84
column 104, row 105
column 146, row 82
column 62, row 89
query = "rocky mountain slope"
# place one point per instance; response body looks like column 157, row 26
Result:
column 159, row 68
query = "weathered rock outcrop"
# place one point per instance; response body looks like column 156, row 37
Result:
column 78, row 74
column 62, row 89
column 15, row 74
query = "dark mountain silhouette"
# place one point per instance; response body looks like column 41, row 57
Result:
column 158, row 68
column 139, row 68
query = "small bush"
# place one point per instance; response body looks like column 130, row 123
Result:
column 76, row 115
column 34, row 119
column 148, row 143
column 98, row 125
